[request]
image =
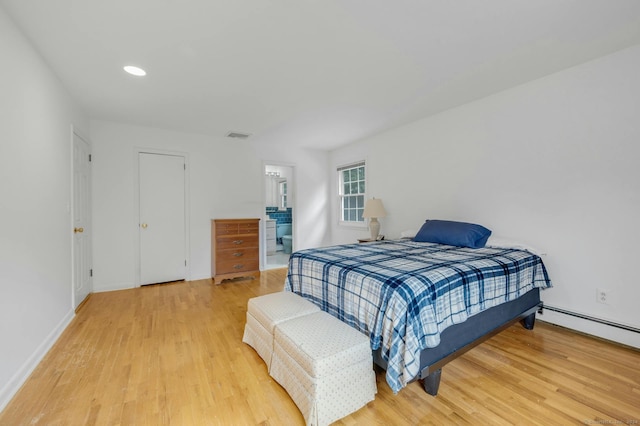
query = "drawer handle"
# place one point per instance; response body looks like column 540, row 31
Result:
column 238, row 242
column 240, row 266
column 238, row 254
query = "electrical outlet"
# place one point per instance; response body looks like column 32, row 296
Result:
column 602, row 296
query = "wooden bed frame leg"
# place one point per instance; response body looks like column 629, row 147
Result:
column 431, row 383
column 529, row 321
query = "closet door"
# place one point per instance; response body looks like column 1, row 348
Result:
column 162, row 224
column 82, row 261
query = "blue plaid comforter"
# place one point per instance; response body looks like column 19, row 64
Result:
column 403, row 294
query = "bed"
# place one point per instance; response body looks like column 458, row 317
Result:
column 421, row 303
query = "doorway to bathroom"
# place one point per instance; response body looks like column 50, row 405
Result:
column 279, row 207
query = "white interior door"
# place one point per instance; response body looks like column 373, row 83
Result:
column 81, row 220
column 162, row 224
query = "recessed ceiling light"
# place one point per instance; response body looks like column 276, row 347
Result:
column 135, row 70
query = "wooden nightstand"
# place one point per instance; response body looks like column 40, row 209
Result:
column 365, row 240
column 234, row 249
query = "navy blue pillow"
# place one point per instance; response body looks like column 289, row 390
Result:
column 458, row 234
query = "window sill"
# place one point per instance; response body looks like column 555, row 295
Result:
column 352, row 225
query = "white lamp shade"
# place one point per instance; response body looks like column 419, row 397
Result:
column 374, row 208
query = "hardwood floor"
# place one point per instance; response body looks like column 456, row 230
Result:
column 172, row 354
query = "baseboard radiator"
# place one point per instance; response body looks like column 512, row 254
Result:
column 589, row 318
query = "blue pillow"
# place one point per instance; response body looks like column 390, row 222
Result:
column 458, row 234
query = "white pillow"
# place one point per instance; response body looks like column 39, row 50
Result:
column 408, row 234
column 500, row 242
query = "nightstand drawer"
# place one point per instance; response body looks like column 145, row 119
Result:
column 236, row 241
column 248, row 228
column 237, row 265
column 235, row 253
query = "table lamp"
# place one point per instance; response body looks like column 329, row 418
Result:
column 373, row 209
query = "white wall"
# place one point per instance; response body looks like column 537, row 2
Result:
column 225, row 180
column 36, row 115
column 552, row 163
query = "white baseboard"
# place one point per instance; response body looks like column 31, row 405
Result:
column 200, row 277
column 127, row 286
column 604, row 331
column 21, row 376
column 112, row 287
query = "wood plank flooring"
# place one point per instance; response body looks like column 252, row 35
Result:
column 173, row 354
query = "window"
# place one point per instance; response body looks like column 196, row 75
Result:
column 282, row 189
column 351, row 191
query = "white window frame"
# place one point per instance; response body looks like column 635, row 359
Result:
column 341, row 195
column 282, row 192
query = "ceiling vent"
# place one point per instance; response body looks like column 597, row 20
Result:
column 238, row 135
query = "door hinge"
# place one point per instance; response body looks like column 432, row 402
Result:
column 91, row 272
column 185, row 262
column 89, row 157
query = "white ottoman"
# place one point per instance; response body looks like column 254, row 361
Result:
column 264, row 312
column 325, row 365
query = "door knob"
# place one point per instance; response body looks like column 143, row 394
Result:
column 76, row 230
column 144, row 226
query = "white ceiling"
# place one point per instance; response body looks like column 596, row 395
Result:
column 310, row 73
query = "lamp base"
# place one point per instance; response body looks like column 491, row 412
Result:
column 374, row 227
